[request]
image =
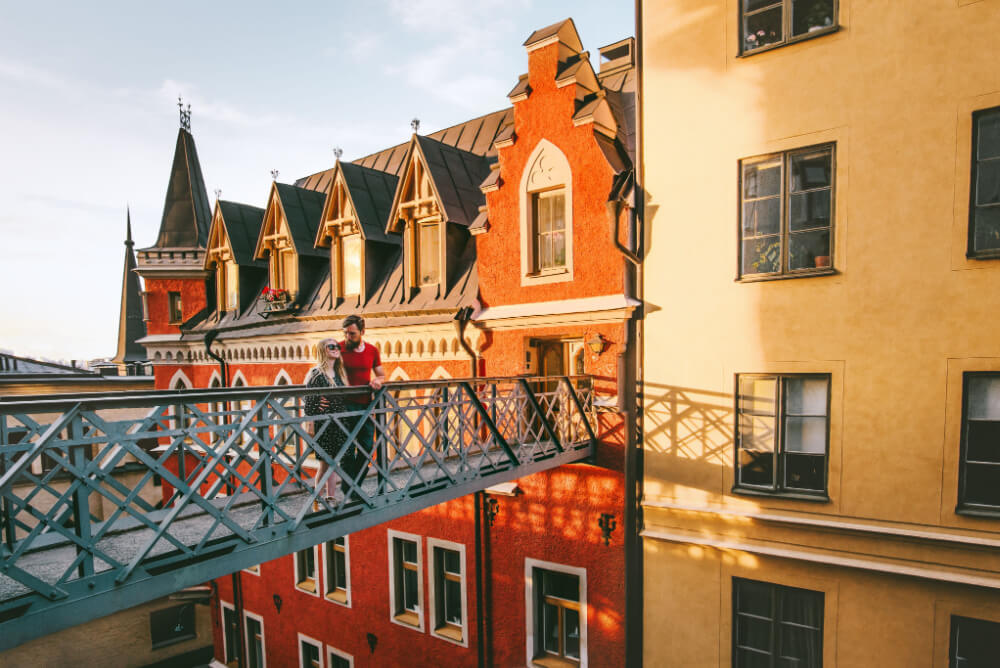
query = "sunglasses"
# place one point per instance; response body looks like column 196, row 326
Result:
column 332, row 346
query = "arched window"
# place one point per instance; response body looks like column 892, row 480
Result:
column 546, row 217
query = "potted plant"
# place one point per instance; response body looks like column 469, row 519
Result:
column 275, row 299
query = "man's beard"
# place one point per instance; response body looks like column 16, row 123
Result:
column 352, row 344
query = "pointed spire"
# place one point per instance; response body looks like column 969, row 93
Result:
column 186, row 212
column 128, row 227
column 131, row 326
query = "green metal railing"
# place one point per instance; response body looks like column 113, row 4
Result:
column 109, row 500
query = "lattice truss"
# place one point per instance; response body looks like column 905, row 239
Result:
column 125, row 489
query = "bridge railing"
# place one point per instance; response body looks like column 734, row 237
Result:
column 100, row 491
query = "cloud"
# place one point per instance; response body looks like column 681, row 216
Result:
column 20, row 72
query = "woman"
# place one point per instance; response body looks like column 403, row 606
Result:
column 328, row 372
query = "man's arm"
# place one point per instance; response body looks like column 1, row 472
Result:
column 379, row 378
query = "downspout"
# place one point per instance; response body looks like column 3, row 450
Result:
column 223, row 367
column 462, row 318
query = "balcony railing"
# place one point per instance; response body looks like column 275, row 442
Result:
column 108, row 500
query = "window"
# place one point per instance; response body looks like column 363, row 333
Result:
column 984, row 206
column 768, row 23
column 782, row 433
column 230, row 634
column 405, row 581
column 974, row 643
column 428, row 254
column 336, row 570
column 145, row 306
column 172, row 625
column 786, row 210
column 174, row 310
column 350, row 264
column 776, row 626
column 305, row 570
column 228, row 285
column 447, row 596
column 549, row 215
column 339, row 659
column 285, row 271
column 557, row 614
column 979, row 472
column 310, row 652
column 253, row 626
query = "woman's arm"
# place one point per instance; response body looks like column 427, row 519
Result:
column 312, row 403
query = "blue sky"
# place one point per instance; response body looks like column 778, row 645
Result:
column 88, row 119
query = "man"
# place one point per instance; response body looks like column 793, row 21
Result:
column 360, row 360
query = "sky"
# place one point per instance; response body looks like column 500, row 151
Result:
column 88, row 119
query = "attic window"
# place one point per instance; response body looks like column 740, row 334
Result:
column 349, row 263
column 227, row 279
column 284, row 270
column 428, row 254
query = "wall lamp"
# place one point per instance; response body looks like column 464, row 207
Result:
column 596, row 343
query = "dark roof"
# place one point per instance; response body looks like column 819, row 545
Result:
column 555, row 29
column 12, row 365
column 371, row 192
column 242, row 223
column 620, row 92
column 131, row 326
column 186, row 212
column 303, row 210
column 456, row 175
column 475, row 136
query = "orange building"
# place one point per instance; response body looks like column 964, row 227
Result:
column 499, row 247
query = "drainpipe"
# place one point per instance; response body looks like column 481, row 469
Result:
column 462, row 318
column 480, row 604
column 223, row 367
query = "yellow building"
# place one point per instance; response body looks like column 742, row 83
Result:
column 821, row 356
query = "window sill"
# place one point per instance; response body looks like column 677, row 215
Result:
column 408, row 619
column 980, row 513
column 790, row 496
column 554, row 662
column 983, row 255
column 785, row 277
column 449, row 633
column 308, row 586
column 562, row 274
column 794, row 40
column 337, row 597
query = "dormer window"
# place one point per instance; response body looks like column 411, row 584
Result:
column 276, row 245
column 227, row 273
column 228, row 280
column 349, row 249
column 428, row 253
column 284, row 270
column 546, row 217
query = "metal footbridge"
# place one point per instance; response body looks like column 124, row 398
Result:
column 111, row 500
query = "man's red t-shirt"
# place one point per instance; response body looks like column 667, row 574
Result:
column 359, row 364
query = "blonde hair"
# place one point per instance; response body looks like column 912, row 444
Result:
column 323, row 362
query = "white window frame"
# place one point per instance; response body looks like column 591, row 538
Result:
column 393, row 617
column 347, row 566
column 223, row 606
column 529, row 605
column 340, row 653
column 297, row 576
column 246, row 637
column 302, row 637
column 432, row 582
column 547, row 169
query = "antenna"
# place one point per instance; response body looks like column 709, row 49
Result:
column 274, row 174
column 415, row 124
column 185, row 114
column 337, row 152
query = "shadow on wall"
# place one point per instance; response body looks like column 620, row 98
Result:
column 689, row 433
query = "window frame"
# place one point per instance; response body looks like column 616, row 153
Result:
column 340, row 654
column 247, row 615
column 341, row 251
column 971, row 252
column 775, row 619
column 398, row 613
column 533, row 590
column 441, row 628
column 534, row 264
column 302, row 582
column 964, row 507
column 778, row 489
column 953, row 635
column 169, row 612
column 786, row 21
column 226, row 649
column 175, row 306
column 785, row 233
column 419, row 228
column 334, row 596
column 303, row 639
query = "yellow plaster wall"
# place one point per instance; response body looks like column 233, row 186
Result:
column 895, row 327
